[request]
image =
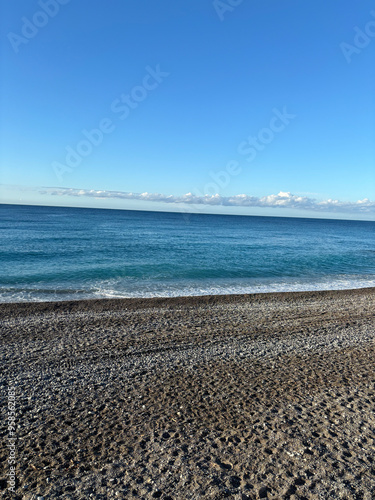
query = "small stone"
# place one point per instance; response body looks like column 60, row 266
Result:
column 263, row 492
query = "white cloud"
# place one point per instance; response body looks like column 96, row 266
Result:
column 280, row 200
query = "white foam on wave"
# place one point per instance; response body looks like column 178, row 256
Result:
column 264, row 286
column 115, row 289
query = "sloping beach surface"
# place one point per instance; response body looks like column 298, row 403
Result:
column 245, row 397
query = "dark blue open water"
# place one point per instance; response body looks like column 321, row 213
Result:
column 50, row 253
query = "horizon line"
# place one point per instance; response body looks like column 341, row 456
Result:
column 186, row 213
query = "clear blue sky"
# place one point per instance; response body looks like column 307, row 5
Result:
column 279, row 95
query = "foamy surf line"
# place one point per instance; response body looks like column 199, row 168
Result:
column 110, row 291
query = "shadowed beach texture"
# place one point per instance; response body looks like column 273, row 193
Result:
column 245, row 397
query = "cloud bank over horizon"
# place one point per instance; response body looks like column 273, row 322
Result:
column 280, row 200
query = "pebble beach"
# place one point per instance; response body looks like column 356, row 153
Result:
column 236, row 396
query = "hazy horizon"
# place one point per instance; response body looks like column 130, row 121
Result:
column 187, row 213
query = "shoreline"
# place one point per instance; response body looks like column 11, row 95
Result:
column 134, row 302
column 241, row 396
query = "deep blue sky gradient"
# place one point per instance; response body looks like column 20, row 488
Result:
column 225, row 78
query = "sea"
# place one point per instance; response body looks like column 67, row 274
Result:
column 56, row 253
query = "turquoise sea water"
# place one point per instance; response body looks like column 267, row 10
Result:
column 50, row 253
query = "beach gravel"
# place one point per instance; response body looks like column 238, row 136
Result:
column 244, row 396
